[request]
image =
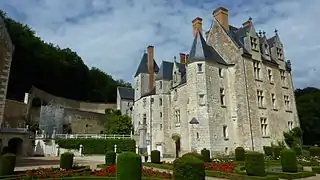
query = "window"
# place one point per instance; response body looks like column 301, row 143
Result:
column 286, row 102
column 290, row 125
column 144, row 102
column 270, row 79
column 160, row 114
column 144, row 120
column 256, row 69
column 220, row 73
column 160, row 84
column 201, row 99
column 198, row 135
column 260, row 98
column 199, row 67
column 222, row 96
column 254, row 43
column 151, row 100
column 160, row 101
column 225, row 132
column 273, row 100
column 279, row 53
column 177, row 116
column 160, row 126
column 175, row 77
column 264, row 126
column 175, row 95
column 283, row 77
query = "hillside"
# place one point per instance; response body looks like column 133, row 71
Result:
column 57, row 71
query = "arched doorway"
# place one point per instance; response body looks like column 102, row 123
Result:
column 177, row 142
column 15, row 145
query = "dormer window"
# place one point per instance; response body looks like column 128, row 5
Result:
column 254, row 43
column 279, row 53
column 200, row 67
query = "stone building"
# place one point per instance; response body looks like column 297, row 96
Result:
column 233, row 89
column 125, row 100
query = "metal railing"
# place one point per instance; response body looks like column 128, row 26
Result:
column 94, row 136
column 14, row 130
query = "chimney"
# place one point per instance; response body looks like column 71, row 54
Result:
column 183, row 58
column 221, row 15
column 150, row 66
column 247, row 22
column 197, row 25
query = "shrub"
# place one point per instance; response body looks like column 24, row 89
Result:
column 110, row 158
column 268, row 150
column 276, row 151
column 254, row 162
column 66, row 160
column 7, row 164
column 98, row 146
column 194, row 154
column 239, row 153
column 289, row 161
column 297, row 150
column 314, row 151
column 206, row 155
column 129, row 166
column 155, row 156
column 188, row 168
column 316, row 169
column 5, row 150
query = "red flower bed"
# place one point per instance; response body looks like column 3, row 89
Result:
column 225, row 167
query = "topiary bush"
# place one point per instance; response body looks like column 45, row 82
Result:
column 239, row 153
column 188, row 168
column 110, row 158
column 297, row 150
column 7, row 164
column 314, row 151
column 194, row 154
column 155, row 156
column 288, row 161
column 254, row 162
column 129, row 166
column 267, row 150
column 66, row 160
column 206, row 155
column 276, row 151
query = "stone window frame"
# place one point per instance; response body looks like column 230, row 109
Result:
column 279, row 53
column 274, row 101
column 220, row 72
column 201, row 99
column 144, row 102
column 256, row 69
column 144, row 119
column 270, row 75
column 286, row 102
column 225, row 132
column 264, row 127
column 200, row 68
column 222, row 97
column 160, row 114
column 177, row 117
column 283, row 77
column 160, row 84
column 160, row 101
column 290, row 125
column 260, row 97
column 175, row 95
column 254, row 43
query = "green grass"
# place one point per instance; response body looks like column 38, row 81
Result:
column 297, row 175
column 237, row 176
column 97, row 177
column 160, row 166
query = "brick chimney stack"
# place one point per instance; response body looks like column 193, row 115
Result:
column 197, row 25
column 150, row 52
column 183, row 58
column 247, row 22
column 221, row 15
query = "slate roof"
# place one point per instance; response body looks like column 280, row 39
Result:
column 271, row 41
column 143, row 66
column 238, row 34
column 200, row 51
column 126, row 93
column 165, row 71
column 194, row 121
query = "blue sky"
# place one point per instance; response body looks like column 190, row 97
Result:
column 113, row 34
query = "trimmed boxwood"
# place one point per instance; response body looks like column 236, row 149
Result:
column 316, row 169
column 155, row 156
column 206, row 155
column 7, row 164
column 276, row 151
column 240, row 154
column 194, row 154
column 267, row 150
column 297, row 150
column 66, row 160
column 97, row 146
column 110, row 158
column 314, row 151
column 289, row 161
column 188, row 168
column 129, row 166
column 254, row 162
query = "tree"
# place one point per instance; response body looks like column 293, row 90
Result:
column 117, row 123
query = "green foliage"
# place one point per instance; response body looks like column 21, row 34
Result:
column 7, row 164
column 308, row 106
column 288, row 161
column 129, row 166
column 194, row 154
column 117, row 123
column 155, row 156
column 49, row 67
column 276, row 151
column 188, row 168
column 206, row 155
column 314, row 151
column 268, row 150
column 297, row 150
column 297, row 175
column 293, row 137
column 110, row 158
column 316, row 169
column 240, row 154
column 98, row 146
column 66, row 160
column 254, row 162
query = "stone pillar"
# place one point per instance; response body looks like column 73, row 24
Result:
column 115, row 148
column 81, row 149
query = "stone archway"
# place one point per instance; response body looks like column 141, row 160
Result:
column 15, row 145
column 177, row 141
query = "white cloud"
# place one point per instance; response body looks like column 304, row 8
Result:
column 112, row 34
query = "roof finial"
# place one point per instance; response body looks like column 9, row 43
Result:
column 276, row 31
column 260, row 32
column 264, row 33
column 250, row 18
column 174, row 58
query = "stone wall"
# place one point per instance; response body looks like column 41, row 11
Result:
column 14, row 114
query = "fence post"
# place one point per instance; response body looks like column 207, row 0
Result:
column 80, row 150
column 115, row 148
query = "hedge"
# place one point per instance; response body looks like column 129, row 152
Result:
column 129, row 166
column 188, row 168
column 206, row 155
column 110, row 158
column 314, row 151
column 276, row 151
column 155, row 156
column 254, row 162
column 268, row 150
column 297, row 175
column 239, row 153
column 97, row 146
column 316, row 169
column 194, row 154
column 239, row 176
column 66, row 160
column 7, row 164
column 289, row 161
